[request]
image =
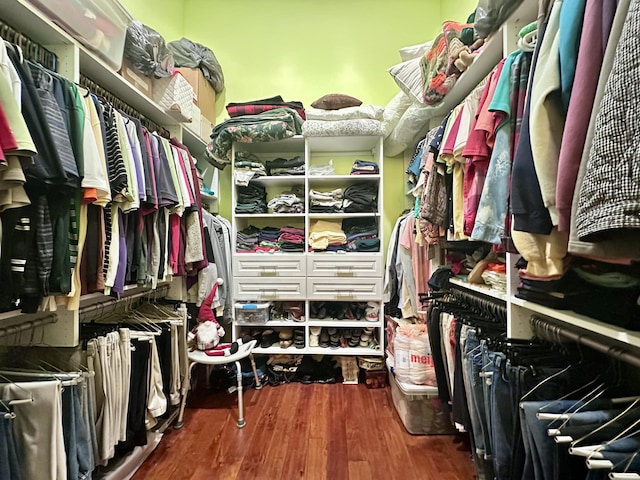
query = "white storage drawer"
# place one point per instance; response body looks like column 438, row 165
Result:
column 269, row 265
column 344, row 265
column 332, row 288
column 256, row 288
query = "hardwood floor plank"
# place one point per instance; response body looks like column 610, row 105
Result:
column 296, row 431
column 360, row 470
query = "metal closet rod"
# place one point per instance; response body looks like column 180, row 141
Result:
column 31, row 324
column 112, row 302
column 542, row 326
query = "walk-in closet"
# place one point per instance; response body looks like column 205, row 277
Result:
column 327, row 240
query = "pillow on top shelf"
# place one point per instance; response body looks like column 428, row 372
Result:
column 408, row 76
column 336, row 101
column 414, row 51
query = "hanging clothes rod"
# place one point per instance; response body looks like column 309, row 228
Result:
column 109, row 304
column 30, row 325
column 30, row 50
column 485, row 304
column 553, row 331
column 124, row 107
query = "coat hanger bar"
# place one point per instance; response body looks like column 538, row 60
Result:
column 31, row 324
column 553, row 331
column 111, row 303
column 31, row 50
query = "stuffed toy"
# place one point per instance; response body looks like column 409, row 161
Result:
column 207, row 333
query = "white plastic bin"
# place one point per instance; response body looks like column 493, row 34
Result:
column 419, row 408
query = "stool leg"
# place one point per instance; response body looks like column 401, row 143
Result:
column 241, row 423
column 255, row 372
column 179, row 423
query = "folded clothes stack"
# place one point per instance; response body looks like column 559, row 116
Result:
column 287, row 203
column 251, row 199
column 362, row 234
column 268, row 239
column 247, row 167
column 361, row 198
column 291, row 239
column 363, row 167
column 327, row 235
column 284, row 166
column 247, row 239
column 326, row 202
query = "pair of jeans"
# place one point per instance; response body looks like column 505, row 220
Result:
column 76, row 434
column 486, row 375
column 9, row 464
column 471, row 346
column 502, row 418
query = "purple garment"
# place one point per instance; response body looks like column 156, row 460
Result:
column 137, row 161
column 609, row 8
column 598, row 18
column 118, row 283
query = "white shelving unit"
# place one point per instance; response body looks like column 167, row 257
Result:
column 478, row 288
column 75, row 59
column 308, row 276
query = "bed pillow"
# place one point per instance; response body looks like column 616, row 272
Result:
column 414, row 51
column 373, row 112
column 394, row 110
column 336, row 101
column 408, row 76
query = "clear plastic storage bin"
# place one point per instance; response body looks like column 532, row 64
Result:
column 418, row 407
column 100, row 25
column 252, row 312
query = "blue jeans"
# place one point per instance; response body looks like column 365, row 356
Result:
column 76, row 435
column 486, row 376
column 9, row 465
column 501, row 418
column 472, row 346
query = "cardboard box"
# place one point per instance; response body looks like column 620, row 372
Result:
column 137, row 79
column 205, row 95
column 205, row 128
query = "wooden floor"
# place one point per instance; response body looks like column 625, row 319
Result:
column 297, row 431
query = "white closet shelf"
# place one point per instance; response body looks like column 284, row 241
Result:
column 591, row 325
column 206, row 197
column 343, row 323
column 484, row 289
column 29, row 19
column 272, row 324
column 322, row 179
column 193, row 142
column 360, row 351
column 342, row 215
column 358, row 145
column 269, row 215
column 279, row 180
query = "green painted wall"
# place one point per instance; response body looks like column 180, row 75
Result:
column 165, row 16
column 305, row 49
column 458, row 10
